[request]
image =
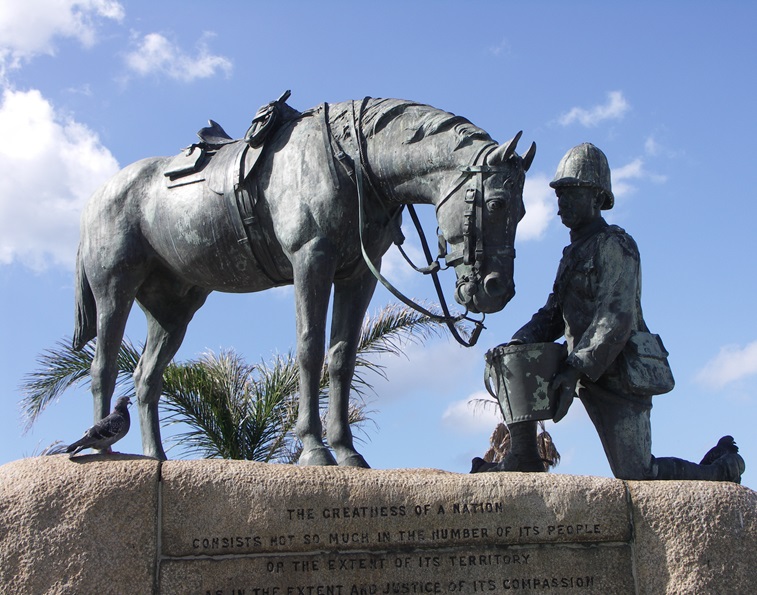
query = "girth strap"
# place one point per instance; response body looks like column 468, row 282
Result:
column 259, row 244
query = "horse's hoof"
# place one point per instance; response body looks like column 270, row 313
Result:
column 354, row 460
column 319, row 456
column 158, row 455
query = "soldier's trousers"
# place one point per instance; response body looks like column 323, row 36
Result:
column 624, row 427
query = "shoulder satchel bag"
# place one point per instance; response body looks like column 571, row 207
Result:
column 644, row 365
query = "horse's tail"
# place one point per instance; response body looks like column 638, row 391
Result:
column 86, row 310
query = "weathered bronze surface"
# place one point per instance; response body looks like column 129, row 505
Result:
column 524, row 371
column 242, row 217
column 614, row 364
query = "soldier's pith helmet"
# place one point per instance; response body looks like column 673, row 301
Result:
column 585, row 165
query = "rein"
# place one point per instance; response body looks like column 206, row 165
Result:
column 473, row 240
column 447, row 318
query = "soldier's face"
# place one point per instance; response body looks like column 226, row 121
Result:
column 577, row 205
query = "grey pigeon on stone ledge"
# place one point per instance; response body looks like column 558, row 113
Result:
column 107, row 431
column 726, row 445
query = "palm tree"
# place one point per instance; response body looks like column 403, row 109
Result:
column 227, row 407
column 499, row 446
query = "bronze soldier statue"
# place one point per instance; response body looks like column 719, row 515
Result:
column 596, row 305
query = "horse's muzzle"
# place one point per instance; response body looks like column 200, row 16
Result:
column 495, row 286
column 464, row 291
column 487, row 296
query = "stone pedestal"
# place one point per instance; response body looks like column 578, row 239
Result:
column 133, row 525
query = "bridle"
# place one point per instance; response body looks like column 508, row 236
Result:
column 473, row 251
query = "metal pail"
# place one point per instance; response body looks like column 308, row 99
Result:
column 521, row 375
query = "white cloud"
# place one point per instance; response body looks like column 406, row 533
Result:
column 418, row 369
column 469, row 416
column 614, row 109
column 621, row 177
column 732, row 363
column 654, row 148
column 49, row 166
column 157, row 55
column 635, row 170
column 29, row 27
column 503, row 48
column 540, row 203
column 651, row 146
column 394, row 266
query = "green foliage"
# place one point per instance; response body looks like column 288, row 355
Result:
column 224, row 406
column 61, row 368
column 232, row 409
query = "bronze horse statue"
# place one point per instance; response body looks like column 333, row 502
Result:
column 167, row 241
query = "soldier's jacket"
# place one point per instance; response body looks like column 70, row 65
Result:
column 595, row 301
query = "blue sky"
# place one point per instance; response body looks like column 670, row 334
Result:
column 667, row 90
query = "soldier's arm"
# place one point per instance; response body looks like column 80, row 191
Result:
column 617, row 265
column 545, row 326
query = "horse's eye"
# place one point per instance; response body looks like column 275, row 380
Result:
column 495, row 204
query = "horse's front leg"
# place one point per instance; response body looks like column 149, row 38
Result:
column 313, row 267
column 114, row 295
column 351, row 299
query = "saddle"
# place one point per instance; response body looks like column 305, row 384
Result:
column 226, row 167
column 222, row 161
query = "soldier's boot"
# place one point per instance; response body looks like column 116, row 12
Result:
column 729, row 467
column 522, row 456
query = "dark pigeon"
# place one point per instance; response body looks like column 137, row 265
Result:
column 725, row 446
column 107, row 431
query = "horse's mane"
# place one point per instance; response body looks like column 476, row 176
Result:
column 422, row 121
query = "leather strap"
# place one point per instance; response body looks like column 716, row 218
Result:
column 447, row 317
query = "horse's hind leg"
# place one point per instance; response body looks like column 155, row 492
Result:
column 114, row 296
column 112, row 315
column 169, row 306
column 351, row 299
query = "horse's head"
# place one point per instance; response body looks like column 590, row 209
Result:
column 478, row 217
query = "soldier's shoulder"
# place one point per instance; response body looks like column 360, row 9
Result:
column 617, row 235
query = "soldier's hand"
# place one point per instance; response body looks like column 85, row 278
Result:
column 564, row 387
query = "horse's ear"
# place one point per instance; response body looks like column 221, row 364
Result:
column 528, row 158
column 503, row 152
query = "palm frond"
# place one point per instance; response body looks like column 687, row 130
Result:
column 55, row 448
column 500, row 444
column 389, row 332
column 61, row 368
column 547, row 449
column 225, row 407
column 208, row 395
column 485, row 403
column 278, row 386
column 393, row 327
column 233, row 409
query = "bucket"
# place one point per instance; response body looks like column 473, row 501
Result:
column 521, row 375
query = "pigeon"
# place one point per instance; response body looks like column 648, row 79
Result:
column 726, row 445
column 105, row 432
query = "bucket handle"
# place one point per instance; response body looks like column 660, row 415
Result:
column 487, row 379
